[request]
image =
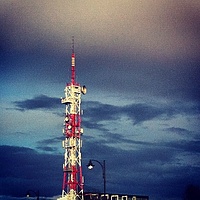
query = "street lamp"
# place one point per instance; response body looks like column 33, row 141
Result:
column 36, row 194
column 90, row 166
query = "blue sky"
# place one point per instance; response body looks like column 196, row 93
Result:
column 140, row 63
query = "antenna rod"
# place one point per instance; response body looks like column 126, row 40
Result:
column 73, row 75
column 72, row 44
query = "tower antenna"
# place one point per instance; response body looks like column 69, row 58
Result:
column 72, row 44
column 72, row 187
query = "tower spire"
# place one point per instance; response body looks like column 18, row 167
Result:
column 73, row 72
column 72, row 44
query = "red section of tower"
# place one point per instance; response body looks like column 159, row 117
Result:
column 72, row 188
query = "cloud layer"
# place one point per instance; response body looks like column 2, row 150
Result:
column 38, row 171
column 140, row 63
column 39, row 102
column 155, row 27
column 151, row 167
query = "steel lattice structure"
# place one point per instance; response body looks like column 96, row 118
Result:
column 72, row 188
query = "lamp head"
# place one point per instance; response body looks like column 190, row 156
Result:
column 90, row 165
column 27, row 194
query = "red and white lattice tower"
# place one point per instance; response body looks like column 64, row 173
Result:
column 72, row 188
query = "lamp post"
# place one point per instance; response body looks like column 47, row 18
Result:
column 90, row 166
column 36, row 193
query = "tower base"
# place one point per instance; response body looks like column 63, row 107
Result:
column 70, row 196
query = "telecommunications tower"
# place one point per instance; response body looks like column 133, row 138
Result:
column 72, row 187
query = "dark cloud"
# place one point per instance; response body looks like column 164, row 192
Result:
column 94, row 125
column 150, row 166
column 100, row 112
column 23, row 169
column 142, row 112
column 191, row 146
column 38, row 102
column 97, row 112
column 49, row 145
column 47, row 149
column 177, row 130
column 50, row 141
column 137, row 59
column 172, row 80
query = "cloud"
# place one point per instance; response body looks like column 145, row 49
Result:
column 101, row 112
column 151, row 166
column 141, row 48
column 38, row 102
column 154, row 27
column 191, row 146
column 50, row 141
column 23, row 169
column 177, row 130
column 97, row 112
column 49, row 145
column 47, row 149
column 148, row 165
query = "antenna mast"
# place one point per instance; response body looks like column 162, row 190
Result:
column 72, row 188
column 73, row 75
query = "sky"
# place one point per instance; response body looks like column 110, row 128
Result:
column 140, row 62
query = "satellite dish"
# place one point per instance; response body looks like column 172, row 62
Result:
column 83, row 89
